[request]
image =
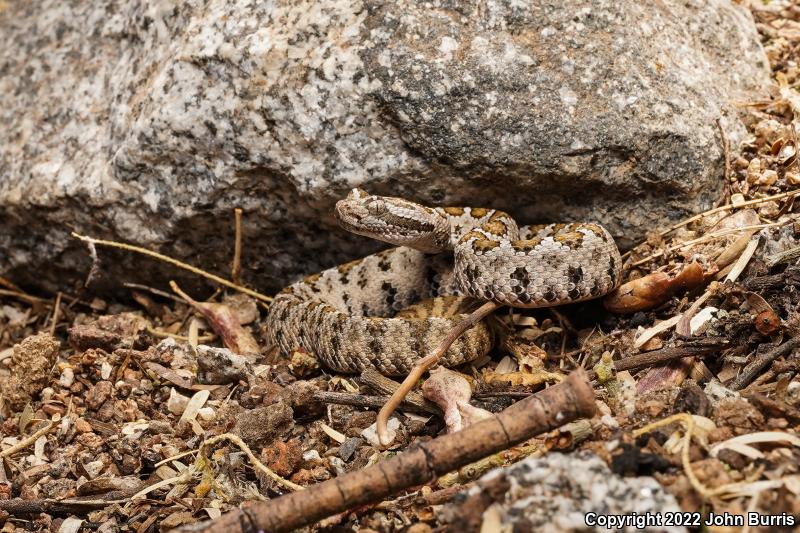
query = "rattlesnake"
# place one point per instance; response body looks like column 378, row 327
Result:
column 350, row 316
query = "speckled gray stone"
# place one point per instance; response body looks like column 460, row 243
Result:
column 149, row 122
column 556, row 493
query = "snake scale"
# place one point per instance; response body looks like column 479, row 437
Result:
column 361, row 314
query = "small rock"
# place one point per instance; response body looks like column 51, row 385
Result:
column 98, row 394
column 358, row 422
column 300, row 395
column 692, row 399
column 244, row 307
column 46, row 394
column 56, row 488
column 371, row 433
column 349, row 447
column 130, row 465
column 283, row 457
column 93, row 468
column 261, row 426
column 31, row 362
column 123, row 388
column 262, row 391
column 738, row 414
column 307, row 476
column 338, row 465
column 51, row 409
column 651, row 408
column 159, row 427
column 556, row 493
column 716, row 391
column 67, row 378
column 91, row 441
column 109, row 332
column 176, row 403
column 219, row 366
column 87, row 336
column 82, row 426
column 311, row 458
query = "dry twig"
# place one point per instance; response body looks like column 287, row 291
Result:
column 21, row 445
column 56, row 309
column 22, row 296
column 174, row 262
column 782, row 257
column 758, row 364
column 236, row 267
column 373, row 402
column 664, row 355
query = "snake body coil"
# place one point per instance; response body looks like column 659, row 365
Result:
column 354, row 316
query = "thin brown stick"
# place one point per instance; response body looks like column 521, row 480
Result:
column 236, row 267
column 153, row 290
column 758, row 364
column 174, row 262
column 546, row 410
column 789, row 276
column 8, row 285
column 21, row 445
column 663, row 355
column 22, row 296
column 387, row 386
column 18, row 507
column 373, row 402
column 56, row 309
column 423, row 365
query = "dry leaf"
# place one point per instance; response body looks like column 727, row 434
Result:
column 654, row 289
column 225, row 322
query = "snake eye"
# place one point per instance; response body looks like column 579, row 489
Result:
column 375, row 206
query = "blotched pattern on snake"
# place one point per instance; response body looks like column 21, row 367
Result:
column 357, row 315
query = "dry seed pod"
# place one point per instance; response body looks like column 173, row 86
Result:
column 767, row 322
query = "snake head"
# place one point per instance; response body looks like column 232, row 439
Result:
column 393, row 220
